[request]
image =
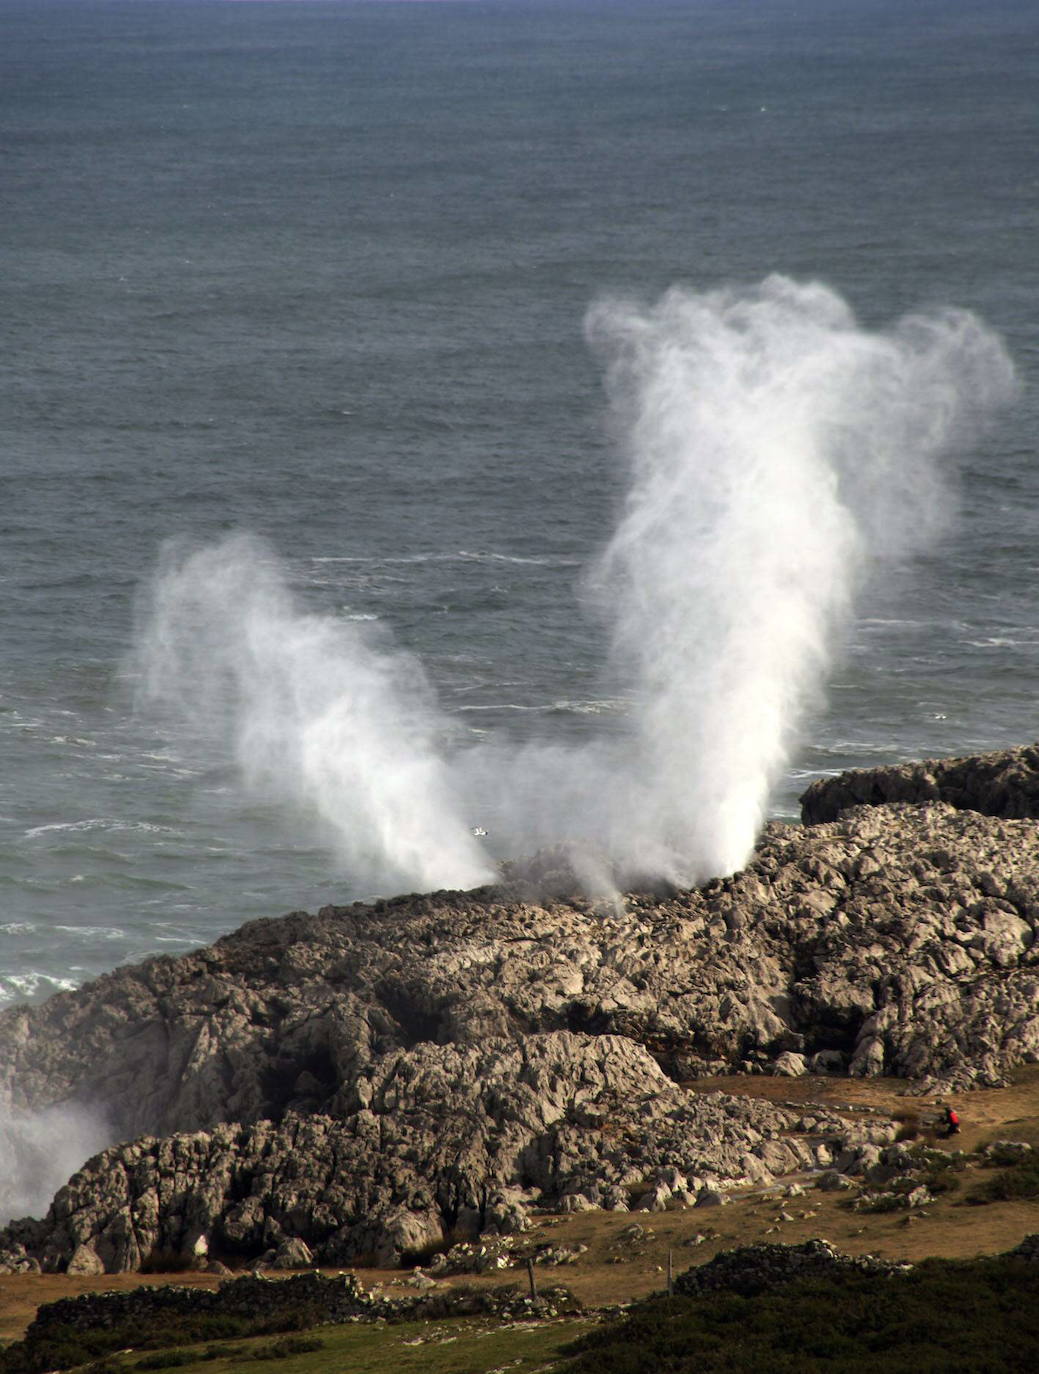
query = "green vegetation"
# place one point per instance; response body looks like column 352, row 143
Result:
column 1018, row 1181
column 458, row 1346
column 67, row 1347
column 934, row 1170
column 979, row 1315
column 277, row 1350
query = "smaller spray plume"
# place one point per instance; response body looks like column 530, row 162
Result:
column 327, row 717
column 777, row 452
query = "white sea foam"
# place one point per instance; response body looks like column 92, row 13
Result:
column 94, row 932
column 778, row 452
column 97, row 823
column 458, row 556
column 26, row 986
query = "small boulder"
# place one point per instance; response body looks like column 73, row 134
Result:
column 85, row 1260
column 789, row 1064
column 711, row 1197
column 833, row 1182
column 292, row 1253
column 575, row 1202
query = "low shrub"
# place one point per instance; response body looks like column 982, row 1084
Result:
column 1008, row 1154
column 908, row 1125
column 280, row 1350
column 942, row 1180
column 66, row 1347
column 980, row 1315
column 171, row 1359
column 1017, row 1183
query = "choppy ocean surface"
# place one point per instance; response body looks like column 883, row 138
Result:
column 319, row 272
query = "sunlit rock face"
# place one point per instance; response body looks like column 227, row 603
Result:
column 370, row 1078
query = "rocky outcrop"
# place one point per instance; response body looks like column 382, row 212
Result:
column 897, row 940
column 368, row 1079
column 755, row 1269
column 451, row 1142
column 1003, row 783
column 319, row 1298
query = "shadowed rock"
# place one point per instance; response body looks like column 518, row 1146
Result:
column 754, row 1269
column 1003, row 783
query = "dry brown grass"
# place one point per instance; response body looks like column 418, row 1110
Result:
column 946, row 1228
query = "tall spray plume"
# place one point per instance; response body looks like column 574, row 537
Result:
column 777, row 451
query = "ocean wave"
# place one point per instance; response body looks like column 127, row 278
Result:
column 606, row 706
column 457, row 556
column 892, row 623
column 503, row 706
column 996, row 642
column 95, row 823
column 95, row 932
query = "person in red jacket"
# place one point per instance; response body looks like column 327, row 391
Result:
column 951, row 1122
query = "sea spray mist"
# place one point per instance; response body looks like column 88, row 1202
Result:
column 777, row 454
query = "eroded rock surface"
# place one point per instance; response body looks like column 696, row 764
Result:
column 452, row 1141
column 754, row 1269
column 366, row 1079
column 1003, row 783
column 898, row 940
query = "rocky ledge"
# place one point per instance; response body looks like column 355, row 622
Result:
column 370, row 1082
column 754, row 1269
column 1003, row 783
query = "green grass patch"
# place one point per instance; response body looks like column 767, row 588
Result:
column 455, row 1346
column 68, row 1347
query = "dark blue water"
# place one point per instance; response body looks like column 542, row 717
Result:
column 319, row 271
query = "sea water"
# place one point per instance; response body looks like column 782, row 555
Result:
column 318, row 274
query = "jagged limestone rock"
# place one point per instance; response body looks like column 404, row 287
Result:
column 452, row 1135
column 900, row 938
column 1003, row 783
column 371, row 1077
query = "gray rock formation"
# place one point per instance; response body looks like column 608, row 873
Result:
column 1003, row 783
column 368, row 1079
column 451, row 1141
column 896, row 940
column 754, row 1269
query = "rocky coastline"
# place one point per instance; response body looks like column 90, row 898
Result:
column 378, row 1081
